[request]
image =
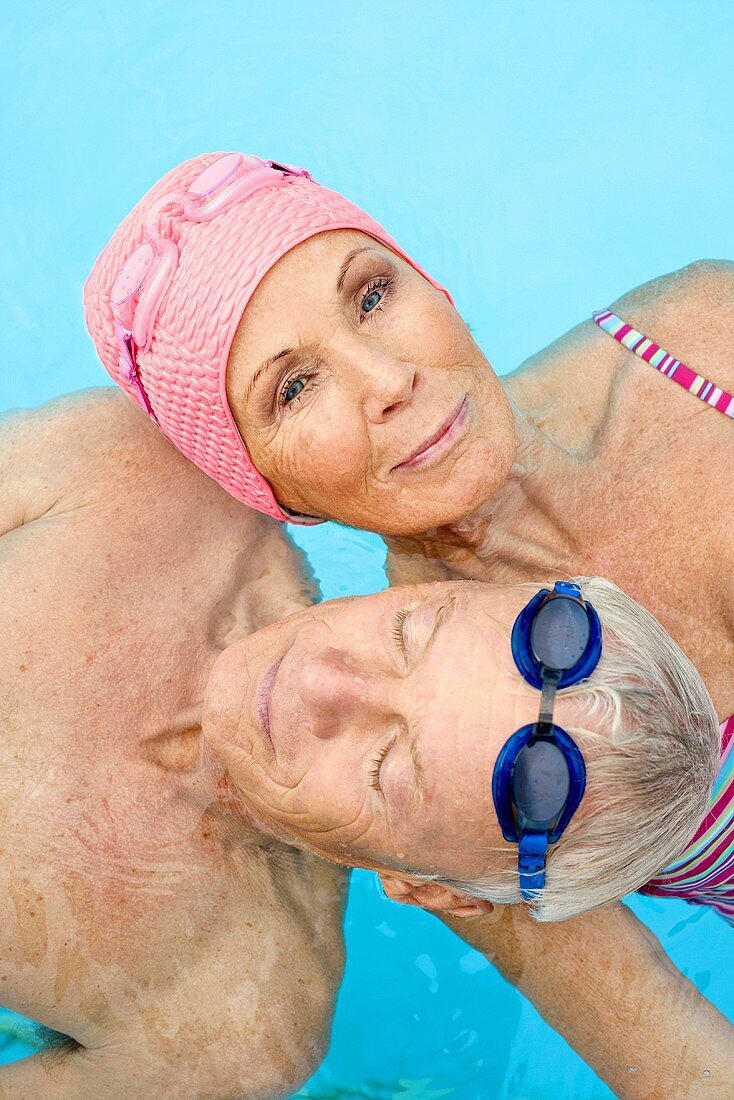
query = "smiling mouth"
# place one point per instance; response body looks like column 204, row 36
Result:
column 264, row 695
column 440, row 443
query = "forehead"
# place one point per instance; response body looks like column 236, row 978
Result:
column 283, row 302
column 314, row 262
column 466, row 687
column 319, row 252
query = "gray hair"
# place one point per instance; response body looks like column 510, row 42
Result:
column 650, row 738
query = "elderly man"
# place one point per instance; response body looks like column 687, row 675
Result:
column 182, row 953
column 182, row 947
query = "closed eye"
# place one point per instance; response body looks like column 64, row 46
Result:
column 422, row 627
column 377, row 764
column 397, row 630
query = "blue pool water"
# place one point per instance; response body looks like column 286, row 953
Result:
column 538, row 158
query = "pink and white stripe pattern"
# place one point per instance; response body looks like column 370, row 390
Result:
column 666, row 363
column 704, row 872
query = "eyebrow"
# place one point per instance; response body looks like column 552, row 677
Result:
column 420, row 775
column 265, row 366
column 440, row 619
column 350, row 256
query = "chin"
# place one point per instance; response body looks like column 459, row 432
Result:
column 259, row 823
column 477, row 477
column 448, row 502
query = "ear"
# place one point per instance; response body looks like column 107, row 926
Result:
column 434, row 897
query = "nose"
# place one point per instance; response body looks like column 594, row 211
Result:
column 386, row 382
column 339, row 695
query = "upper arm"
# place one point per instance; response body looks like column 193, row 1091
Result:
column 69, row 1074
column 172, row 1058
column 603, row 981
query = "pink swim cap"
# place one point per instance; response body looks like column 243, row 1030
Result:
column 165, row 297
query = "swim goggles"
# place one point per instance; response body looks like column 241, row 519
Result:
column 539, row 777
column 141, row 283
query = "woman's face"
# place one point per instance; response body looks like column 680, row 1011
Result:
column 367, row 729
column 360, row 393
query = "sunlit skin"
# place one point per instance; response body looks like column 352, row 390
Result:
column 559, row 469
column 377, row 362
column 385, row 717
column 598, row 472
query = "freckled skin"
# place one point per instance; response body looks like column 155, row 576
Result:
column 345, row 692
column 378, row 370
column 182, row 953
column 608, row 469
column 585, row 461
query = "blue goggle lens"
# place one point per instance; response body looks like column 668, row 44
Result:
column 541, row 785
column 560, row 633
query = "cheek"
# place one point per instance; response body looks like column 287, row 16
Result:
column 332, row 818
column 321, row 454
column 329, row 792
column 440, row 339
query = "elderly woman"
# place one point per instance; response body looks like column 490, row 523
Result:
column 288, row 346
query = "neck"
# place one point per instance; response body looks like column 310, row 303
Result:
column 195, row 783
column 525, row 530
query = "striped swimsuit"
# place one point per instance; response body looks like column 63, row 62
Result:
column 704, row 872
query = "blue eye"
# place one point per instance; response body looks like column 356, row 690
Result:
column 371, row 301
column 293, row 390
column 377, row 292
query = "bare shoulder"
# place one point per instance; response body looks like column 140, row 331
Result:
column 67, row 424
column 690, row 312
column 97, row 447
column 51, row 456
column 704, row 284
column 413, row 561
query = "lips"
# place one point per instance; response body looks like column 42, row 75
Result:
column 438, row 444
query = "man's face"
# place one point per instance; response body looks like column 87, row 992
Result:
column 367, row 729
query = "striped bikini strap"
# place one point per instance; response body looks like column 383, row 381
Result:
column 663, row 361
column 708, row 859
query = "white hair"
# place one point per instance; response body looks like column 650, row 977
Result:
column 649, row 735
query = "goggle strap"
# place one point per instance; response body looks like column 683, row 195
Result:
column 551, row 676
column 531, row 863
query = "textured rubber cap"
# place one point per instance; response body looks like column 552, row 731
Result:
column 221, row 263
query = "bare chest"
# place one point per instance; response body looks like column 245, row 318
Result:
column 119, row 886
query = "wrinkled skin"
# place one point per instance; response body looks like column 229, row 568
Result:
column 367, row 729
column 605, row 470
column 585, row 461
column 374, row 370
